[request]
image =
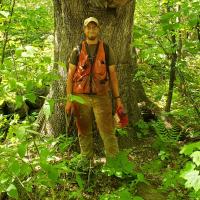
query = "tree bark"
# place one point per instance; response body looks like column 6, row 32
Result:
column 116, row 23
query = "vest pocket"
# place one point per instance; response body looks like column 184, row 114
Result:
column 81, row 85
column 100, row 68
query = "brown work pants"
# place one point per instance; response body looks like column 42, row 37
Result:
column 102, row 108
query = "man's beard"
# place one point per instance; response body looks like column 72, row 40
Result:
column 92, row 37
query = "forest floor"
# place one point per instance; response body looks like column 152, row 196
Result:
column 147, row 161
column 143, row 154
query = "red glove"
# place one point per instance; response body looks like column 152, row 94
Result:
column 123, row 117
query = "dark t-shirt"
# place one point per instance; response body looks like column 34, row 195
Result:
column 92, row 48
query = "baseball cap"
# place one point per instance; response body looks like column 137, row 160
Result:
column 91, row 19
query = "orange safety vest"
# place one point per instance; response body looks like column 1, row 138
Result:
column 91, row 78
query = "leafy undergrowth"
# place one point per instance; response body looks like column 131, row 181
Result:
column 170, row 166
column 35, row 166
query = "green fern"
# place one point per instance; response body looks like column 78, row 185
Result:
column 166, row 135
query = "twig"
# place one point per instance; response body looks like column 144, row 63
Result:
column 89, row 174
column 23, row 187
column 6, row 33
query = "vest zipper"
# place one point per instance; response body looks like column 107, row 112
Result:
column 91, row 76
column 92, row 63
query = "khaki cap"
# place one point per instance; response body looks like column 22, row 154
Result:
column 91, row 19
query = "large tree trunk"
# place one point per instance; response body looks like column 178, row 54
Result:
column 116, row 21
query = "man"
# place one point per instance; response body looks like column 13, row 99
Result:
column 90, row 77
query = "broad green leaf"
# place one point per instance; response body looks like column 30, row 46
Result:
column 125, row 195
column 18, row 101
column 77, row 99
column 22, row 149
column 196, row 157
column 31, row 97
column 20, row 132
column 193, row 20
column 47, row 59
column 27, row 55
column 53, row 173
column 25, row 169
column 51, row 103
column 189, row 148
column 30, row 48
column 193, row 180
column 29, row 85
column 12, row 191
column 14, row 167
column 44, row 153
column 140, row 177
column 4, row 13
column 188, row 168
column 191, row 176
column 13, row 84
column 167, row 16
column 30, row 51
column 18, row 51
column 119, row 165
column 61, row 64
column 48, row 108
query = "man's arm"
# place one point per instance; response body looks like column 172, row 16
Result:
column 71, row 71
column 115, row 85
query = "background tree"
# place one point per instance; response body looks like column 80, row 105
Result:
column 166, row 41
column 36, row 166
column 116, row 21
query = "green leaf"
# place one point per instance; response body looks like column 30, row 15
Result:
column 22, row 149
column 119, row 165
column 44, row 153
column 27, row 55
column 29, row 85
column 47, row 59
column 191, row 176
column 188, row 167
column 30, row 51
column 77, row 99
column 80, row 181
column 25, row 169
column 193, row 180
column 4, row 13
column 166, row 17
column 12, row 191
column 18, row 101
column 53, row 173
column 189, row 148
column 13, row 84
column 48, row 108
column 14, row 167
column 31, row 97
column 18, row 51
column 140, row 177
column 125, row 195
column 61, row 64
column 20, row 132
column 196, row 157
column 51, row 103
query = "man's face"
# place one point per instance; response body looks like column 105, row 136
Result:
column 91, row 31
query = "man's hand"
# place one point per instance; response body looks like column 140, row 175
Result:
column 118, row 103
column 121, row 117
column 68, row 107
